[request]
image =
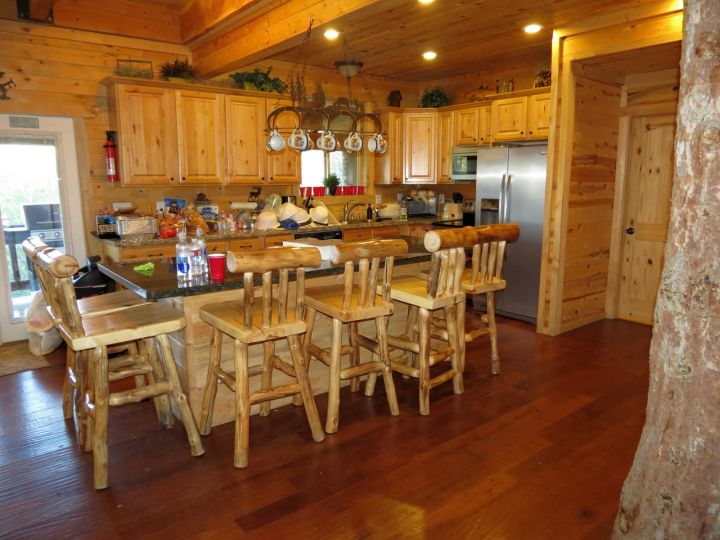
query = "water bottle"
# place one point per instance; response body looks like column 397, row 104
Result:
column 182, row 258
column 202, row 248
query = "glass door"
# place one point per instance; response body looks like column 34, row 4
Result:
column 30, row 205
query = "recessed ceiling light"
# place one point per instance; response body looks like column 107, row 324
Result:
column 426, row 1
column 532, row 28
column 331, row 34
column 429, row 55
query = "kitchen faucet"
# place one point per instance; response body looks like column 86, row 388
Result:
column 349, row 207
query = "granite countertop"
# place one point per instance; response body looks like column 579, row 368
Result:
column 273, row 232
column 163, row 282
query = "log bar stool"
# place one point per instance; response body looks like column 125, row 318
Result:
column 249, row 323
column 484, row 277
column 351, row 304
column 95, row 334
column 88, row 307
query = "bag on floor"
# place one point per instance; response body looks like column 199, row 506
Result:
column 43, row 338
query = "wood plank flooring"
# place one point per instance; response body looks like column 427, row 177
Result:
column 539, row 451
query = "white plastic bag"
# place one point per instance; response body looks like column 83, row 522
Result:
column 43, row 338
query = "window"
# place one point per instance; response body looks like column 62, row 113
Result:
column 317, row 164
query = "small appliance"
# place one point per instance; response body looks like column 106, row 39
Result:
column 464, row 164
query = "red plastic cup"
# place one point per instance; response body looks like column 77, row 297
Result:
column 361, row 190
column 340, row 190
column 318, row 191
column 216, row 262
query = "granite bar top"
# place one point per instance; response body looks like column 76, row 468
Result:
column 163, row 282
column 273, row 232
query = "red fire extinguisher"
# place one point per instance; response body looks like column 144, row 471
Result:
column 110, row 157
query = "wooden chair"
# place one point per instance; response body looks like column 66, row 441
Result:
column 87, row 307
column 350, row 304
column 483, row 277
column 249, row 322
column 89, row 339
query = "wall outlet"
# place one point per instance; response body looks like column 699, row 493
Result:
column 378, row 198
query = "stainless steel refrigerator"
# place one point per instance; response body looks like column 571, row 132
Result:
column 510, row 188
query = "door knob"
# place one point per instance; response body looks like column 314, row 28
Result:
column 630, row 230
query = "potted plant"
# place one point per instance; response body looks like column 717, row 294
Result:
column 434, row 97
column 331, row 182
column 178, row 71
column 259, row 80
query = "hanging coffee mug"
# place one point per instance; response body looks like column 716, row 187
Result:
column 275, row 141
column 373, row 142
column 353, row 142
column 327, row 142
column 298, row 140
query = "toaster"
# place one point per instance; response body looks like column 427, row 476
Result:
column 136, row 227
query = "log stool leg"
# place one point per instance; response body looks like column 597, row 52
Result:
column 454, row 339
column 460, row 316
column 162, row 402
column 99, row 360
column 88, row 398
column 411, row 333
column 494, row 357
column 301, row 373
column 208, row 402
column 333, row 410
column 424, row 360
column 242, row 405
column 355, row 355
column 69, row 392
column 181, row 402
column 134, row 350
column 81, row 383
column 266, row 377
column 372, row 378
column 381, row 326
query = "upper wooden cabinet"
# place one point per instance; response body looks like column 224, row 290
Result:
column 389, row 166
column 147, row 134
column 420, row 142
column 538, row 116
column 485, row 125
column 246, row 153
column 509, row 119
column 445, row 144
column 201, row 137
column 283, row 166
column 472, row 126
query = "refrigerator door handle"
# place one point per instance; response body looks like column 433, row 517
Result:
column 501, row 210
column 507, row 197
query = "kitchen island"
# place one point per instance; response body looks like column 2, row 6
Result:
column 191, row 346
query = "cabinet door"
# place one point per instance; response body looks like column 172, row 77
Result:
column 485, row 125
column 509, row 119
column 283, row 166
column 354, row 235
column 247, row 156
column 467, row 123
column 392, row 231
column 420, row 147
column 538, row 119
column 240, row 244
column 201, row 136
column 389, row 166
column 278, row 239
column 445, row 144
column 147, row 135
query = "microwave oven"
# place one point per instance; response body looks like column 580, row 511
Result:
column 464, row 163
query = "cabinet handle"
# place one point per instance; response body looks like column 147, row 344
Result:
column 522, row 133
column 183, row 178
column 262, row 178
column 474, row 139
column 172, row 178
column 530, row 132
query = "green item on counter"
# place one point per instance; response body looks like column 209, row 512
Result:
column 146, row 269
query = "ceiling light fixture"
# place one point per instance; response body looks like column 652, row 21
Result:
column 429, row 55
column 533, row 28
column 426, row 1
column 331, row 34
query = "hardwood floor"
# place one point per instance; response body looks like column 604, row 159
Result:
column 539, row 451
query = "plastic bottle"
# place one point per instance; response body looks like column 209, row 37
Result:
column 198, row 256
column 369, row 212
column 182, row 258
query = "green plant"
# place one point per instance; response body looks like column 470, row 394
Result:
column 331, row 182
column 434, row 97
column 178, row 68
column 259, row 80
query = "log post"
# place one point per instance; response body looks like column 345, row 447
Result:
column 673, row 488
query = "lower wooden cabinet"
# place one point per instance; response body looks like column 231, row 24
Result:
column 393, row 231
column 138, row 253
column 355, row 235
column 277, row 240
column 239, row 244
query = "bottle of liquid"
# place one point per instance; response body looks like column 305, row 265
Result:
column 182, row 258
column 197, row 257
column 369, row 212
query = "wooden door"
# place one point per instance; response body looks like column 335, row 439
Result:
column 649, row 179
column 485, row 125
column 420, row 147
column 445, row 146
column 201, row 137
column 147, row 132
column 246, row 153
column 467, row 122
column 283, row 166
column 509, row 118
column 538, row 116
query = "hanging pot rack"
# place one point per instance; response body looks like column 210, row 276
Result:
column 328, row 114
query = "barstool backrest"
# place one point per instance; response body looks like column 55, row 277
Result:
column 487, row 262
column 367, row 254
column 264, row 262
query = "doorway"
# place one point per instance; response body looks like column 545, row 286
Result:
column 38, row 178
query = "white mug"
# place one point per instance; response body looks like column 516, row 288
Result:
column 298, row 140
column 275, row 141
column 353, row 142
column 327, row 142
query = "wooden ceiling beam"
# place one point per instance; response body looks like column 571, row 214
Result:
column 203, row 16
column 274, row 32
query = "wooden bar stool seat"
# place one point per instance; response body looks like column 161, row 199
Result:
column 254, row 320
column 351, row 303
column 92, row 336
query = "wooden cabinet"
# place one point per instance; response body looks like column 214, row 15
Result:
column 283, row 166
column 389, row 166
column 467, row 122
column 538, row 116
column 445, row 146
column 246, row 153
column 388, row 231
column 201, row 137
column 485, row 125
column 138, row 253
column 239, row 244
column 277, row 239
column 509, row 119
column 147, row 134
column 420, row 144
column 418, row 230
column 354, row 235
